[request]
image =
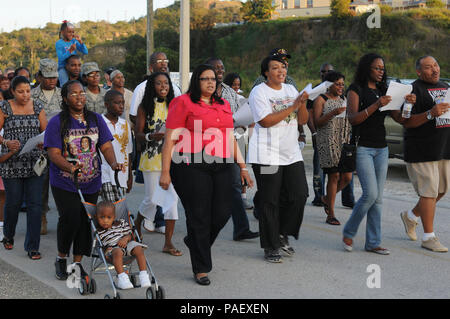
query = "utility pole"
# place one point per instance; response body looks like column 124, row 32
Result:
column 150, row 41
column 184, row 44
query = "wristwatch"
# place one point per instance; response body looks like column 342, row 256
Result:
column 429, row 115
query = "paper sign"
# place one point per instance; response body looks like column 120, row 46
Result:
column 165, row 198
column 320, row 89
column 397, row 91
column 343, row 114
column 243, row 116
column 32, row 143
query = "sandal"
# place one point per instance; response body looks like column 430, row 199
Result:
column 34, row 255
column 172, row 251
column 332, row 221
column 8, row 243
column 326, row 208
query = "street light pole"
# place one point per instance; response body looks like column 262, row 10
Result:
column 150, row 41
column 184, row 44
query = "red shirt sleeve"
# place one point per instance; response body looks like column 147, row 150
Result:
column 178, row 112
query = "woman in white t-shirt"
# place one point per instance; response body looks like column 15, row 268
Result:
column 278, row 111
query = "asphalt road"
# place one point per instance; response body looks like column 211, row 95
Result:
column 319, row 269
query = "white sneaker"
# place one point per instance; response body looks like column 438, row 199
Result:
column 149, row 225
column 410, row 226
column 161, row 229
column 123, row 282
column 433, row 244
column 144, row 279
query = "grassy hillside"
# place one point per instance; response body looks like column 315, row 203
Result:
column 402, row 38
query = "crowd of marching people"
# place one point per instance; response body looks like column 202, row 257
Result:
column 189, row 145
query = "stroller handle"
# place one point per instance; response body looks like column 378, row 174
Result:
column 116, row 177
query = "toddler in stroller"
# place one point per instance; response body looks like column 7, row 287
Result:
column 117, row 241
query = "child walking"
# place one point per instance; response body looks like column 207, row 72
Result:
column 123, row 147
column 117, row 242
column 68, row 44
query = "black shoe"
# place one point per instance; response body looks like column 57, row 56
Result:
column 204, row 281
column 273, row 255
column 317, row 203
column 61, row 269
column 248, row 234
column 348, row 205
column 285, row 247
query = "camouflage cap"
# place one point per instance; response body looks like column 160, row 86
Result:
column 89, row 67
column 48, row 68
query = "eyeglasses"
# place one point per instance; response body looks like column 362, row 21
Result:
column 208, row 79
column 81, row 94
column 97, row 75
column 162, row 61
column 379, row 69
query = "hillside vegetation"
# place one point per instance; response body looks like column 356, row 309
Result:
column 402, row 38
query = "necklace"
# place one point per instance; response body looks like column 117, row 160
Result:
column 80, row 118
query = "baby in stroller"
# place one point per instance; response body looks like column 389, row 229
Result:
column 118, row 242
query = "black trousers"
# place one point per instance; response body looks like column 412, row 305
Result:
column 282, row 194
column 205, row 191
column 73, row 224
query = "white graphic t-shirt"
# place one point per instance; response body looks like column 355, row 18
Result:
column 276, row 145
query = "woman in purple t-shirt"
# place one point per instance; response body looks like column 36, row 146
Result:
column 65, row 140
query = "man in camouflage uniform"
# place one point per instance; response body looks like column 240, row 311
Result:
column 95, row 94
column 50, row 96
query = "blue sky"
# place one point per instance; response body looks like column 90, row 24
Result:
column 36, row 13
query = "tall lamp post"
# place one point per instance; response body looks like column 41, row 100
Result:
column 184, row 45
column 150, row 40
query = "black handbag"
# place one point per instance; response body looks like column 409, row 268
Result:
column 348, row 155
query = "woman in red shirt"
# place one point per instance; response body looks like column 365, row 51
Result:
column 199, row 148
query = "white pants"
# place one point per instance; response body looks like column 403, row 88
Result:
column 147, row 207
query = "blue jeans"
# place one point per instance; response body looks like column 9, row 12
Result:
column 238, row 213
column 63, row 77
column 371, row 166
column 29, row 189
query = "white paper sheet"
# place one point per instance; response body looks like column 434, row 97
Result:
column 307, row 89
column 165, row 198
column 446, row 115
column 243, row 116
column 343, row 114
column 32, row 143
column 320, row 89
column 397, row 91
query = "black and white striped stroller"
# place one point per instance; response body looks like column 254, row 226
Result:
column 100, row 264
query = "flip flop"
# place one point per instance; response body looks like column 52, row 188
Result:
column 332, row 221
column 8, row 243
column 326, row 208
column 173, row 252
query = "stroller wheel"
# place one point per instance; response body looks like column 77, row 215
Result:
column 117, row 296
column 83, row 287
column 160, row 293
column 107, row 297
column 150, row 293
column 92, row 286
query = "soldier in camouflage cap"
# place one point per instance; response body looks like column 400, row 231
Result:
column 94, row 92
column 50, row 97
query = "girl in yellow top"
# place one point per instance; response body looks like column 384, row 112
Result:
column 150, row 127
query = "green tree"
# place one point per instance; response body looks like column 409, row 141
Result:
column 340, row 8
column 435, row 4
column 257, row 10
